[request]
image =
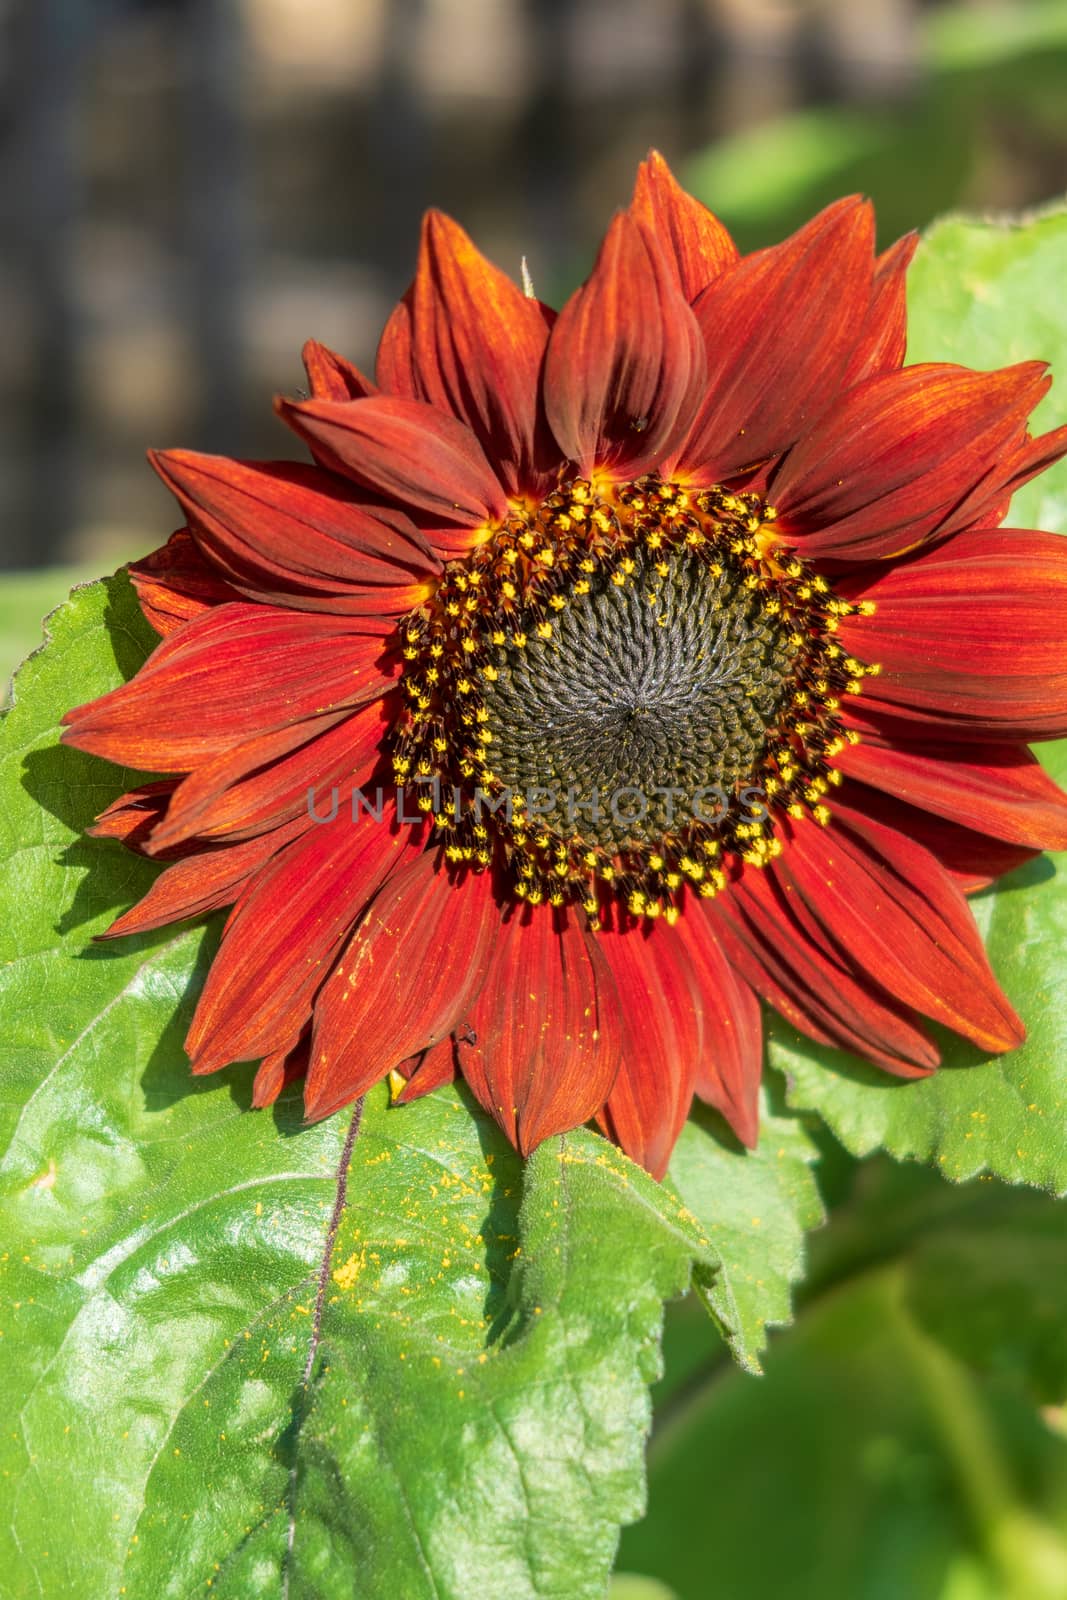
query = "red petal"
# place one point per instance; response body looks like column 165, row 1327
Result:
column 730, row 1065
column 972, row 860
column 203, row 882
column 989, row 502
column 412, row 968
column 779, row 328
column 540, row 1048
column 819, row 991
column 625, row 362
column 331, row 377
column 996, row 789
column 133, row 816
column 307, row 770
column 175, row 584
column 969, row 636
column 888, row 464
column 282, row 937
column 663, row 1015
column 293, row 535
column 409, row 451
column 395, row 361
column 693, row 240
column 236, row 669
column 427, row 1072
column 888, row 903
column 278, row 1070
column 475, row 345
column 882, row 344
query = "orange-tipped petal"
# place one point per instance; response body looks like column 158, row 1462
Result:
column 779, row 328
column 882, row 344
column 467, row 340
column 730, row 1064
column 1001, row 790
column 972, row 860
column 177, row 583
column 332, row 377
column 887, row 903
column 293, row 535
column 427, row 1072
column 818, row 989
column 664, row 1040
column 133, row 816
column 625, row 365
column 990, row 500
column 968, row 636
column 885, row 467
column 308, row 769
column 394, row 365
column 203, row 882
column 283, row 935
column 233, row 669
column 693, row 240
column 410, row 452
column 278, row 1070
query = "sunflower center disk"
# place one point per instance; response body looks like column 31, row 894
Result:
column 645, row 708
column 617, row 690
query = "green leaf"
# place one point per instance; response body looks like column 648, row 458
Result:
column 983, row 294
column 25, row 598
column 251, row 1356
column 989, row 293
column 755, row 1208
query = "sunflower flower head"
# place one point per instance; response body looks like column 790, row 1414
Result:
column 604, row 674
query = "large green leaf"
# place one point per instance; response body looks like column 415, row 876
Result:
column 983, row 294
column 251, row 1355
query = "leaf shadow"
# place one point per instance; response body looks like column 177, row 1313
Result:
column 167, row 1077
column 500, row 1225
column 715, row 1125
column 1028, row 876
column 75, row 787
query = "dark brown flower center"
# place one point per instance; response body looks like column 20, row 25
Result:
column 618, row 689
column 646, row 707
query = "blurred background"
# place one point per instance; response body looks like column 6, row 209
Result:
column 191, row 188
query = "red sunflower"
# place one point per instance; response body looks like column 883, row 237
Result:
column 606, row 672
